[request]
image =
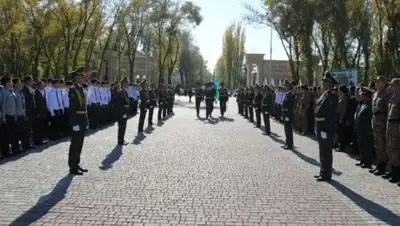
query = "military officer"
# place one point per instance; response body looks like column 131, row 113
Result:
column 162, row 103
column 362, row 123
column 152, row 104
column 380, row 103
column 288, row 114
column 244, row 101
column 325, row 126
column 393, row 131
column 223, row 98
column 267, row 108
column 143, row 106
column 199, row 96
column 239, row 101
column 122, row 104
column 78, row 120
column 250, row 99
column 257, row 105
column 209, row 98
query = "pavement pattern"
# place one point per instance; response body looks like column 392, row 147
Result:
column 191, row 171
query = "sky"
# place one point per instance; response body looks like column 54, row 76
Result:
column 217, row 16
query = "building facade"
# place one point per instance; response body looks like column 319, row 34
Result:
column 143, row 69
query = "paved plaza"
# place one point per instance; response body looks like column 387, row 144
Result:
column 192, row 172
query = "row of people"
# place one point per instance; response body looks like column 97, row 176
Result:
column 335, row 114
column 208, row 94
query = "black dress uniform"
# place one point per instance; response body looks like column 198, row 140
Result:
column 244, row 101
column 209, row 96
column 122, row 104
column 198, row 98
column 239, row 102
column 325, row 127
column 223, row 98
column 162, row 103
column 78, row 121
column 257, row 106
column 363, row 126
column 267, row 105
column 143, row 106
column 152, row 105
column 287, row 115
column 250, row 100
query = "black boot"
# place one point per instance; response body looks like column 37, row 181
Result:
column 381, row 169
column 395, row 175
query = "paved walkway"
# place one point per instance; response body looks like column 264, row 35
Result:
column 193, row 172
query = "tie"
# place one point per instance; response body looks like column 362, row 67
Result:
column 58, row 99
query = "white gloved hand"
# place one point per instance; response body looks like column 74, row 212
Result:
column 124, row 116
column 76, row 128
column 287, row 119
column 323, row 135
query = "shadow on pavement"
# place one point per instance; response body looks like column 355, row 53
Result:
column 372, row 208
column 138, row 139
column 226, row 119
column 111, row 158
column 45, row 203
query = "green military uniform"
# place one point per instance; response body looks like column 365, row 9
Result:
column 287, row 110
column 143, row 106
column 78, row 120
column 257, row 104
column 122, row 107
column 325, row 127
column 223, row 98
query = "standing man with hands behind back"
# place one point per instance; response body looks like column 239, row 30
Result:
column 287, row 115
column 78, row 121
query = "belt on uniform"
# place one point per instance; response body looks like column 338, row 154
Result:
column 285, row 109
column 380, row 113
column 319, row 119
column 81, row 112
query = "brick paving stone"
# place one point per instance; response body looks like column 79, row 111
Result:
column 193, row 172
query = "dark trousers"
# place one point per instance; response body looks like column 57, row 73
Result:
column 135, row 107
column 121, row 129
column 162, row 110
column 366, row 147
column 209, row 108
column 170, row 104
column 55, row 125
column 267, row 124
column 23, row 127
column 66, row 127
column 325, row 155
column 3, row 142
column 258, row 117
column 39, row 130
column 75, row 147
column 222, row 107
column 198, row 102
column 190, row 98
column 11, row 136
column 288, row 126
column 142, row 117
column 240, row 108
column 246, row 111
column 251, row 113
column 150, row 117
column 343, row 133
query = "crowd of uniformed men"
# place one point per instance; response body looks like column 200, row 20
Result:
column 33, row 112
column 362, row 121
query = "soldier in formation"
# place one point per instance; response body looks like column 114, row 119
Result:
column 223, row 98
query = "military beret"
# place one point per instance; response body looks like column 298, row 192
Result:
column 366, row 90
column 381, row 78
column 395, row 82
column 77, row 71
column 329, row 78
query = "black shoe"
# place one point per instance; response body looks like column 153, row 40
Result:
column 359, row 164
column 284, row 146
column 374, row 170
column 124, row 143
column 323, row 179
column 366, row 166
column 394, row 180
column 379, row 172
column 288, row 148
column 317, row 176
column 75, row 172
column 387, row 176
column 82, row 169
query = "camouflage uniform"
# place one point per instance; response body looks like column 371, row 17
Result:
column 393, row 131
column 380, row 102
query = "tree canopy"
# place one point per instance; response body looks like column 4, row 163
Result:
column 361, row 34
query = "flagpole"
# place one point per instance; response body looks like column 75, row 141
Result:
column 270, row 58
